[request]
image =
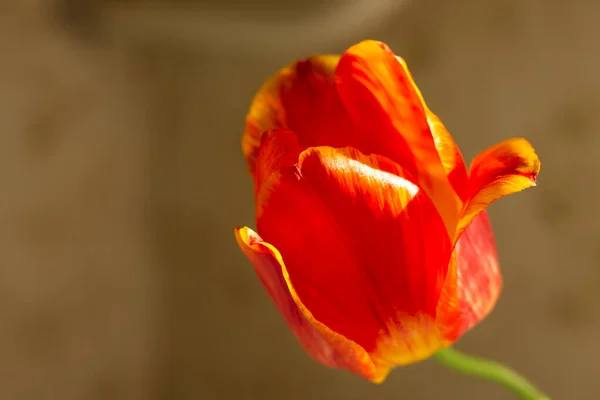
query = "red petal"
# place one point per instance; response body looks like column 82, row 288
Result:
column 473, row 282
column 448, row 151
column 365, row 247
column 385, row 105
column 321, row 343
column 474, row 287
column 303, row 98
column 279, row 148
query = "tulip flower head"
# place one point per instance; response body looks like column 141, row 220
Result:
column 372, row 237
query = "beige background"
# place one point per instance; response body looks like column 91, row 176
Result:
column 122, row 181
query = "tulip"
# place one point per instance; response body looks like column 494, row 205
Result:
column 373, row 240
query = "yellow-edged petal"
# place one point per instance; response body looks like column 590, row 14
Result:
column 503, row 169
column 323, row 344
column 449, row 153
column 383, row 102
column 301, row 97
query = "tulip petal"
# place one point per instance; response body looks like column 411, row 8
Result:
column 279, row 148
column 303, row 98
column 384, row 104
column 449, row 153
column 473, row 282
column 324, row 345
column 365, row 247
column 508, row 167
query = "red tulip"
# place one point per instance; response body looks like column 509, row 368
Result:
column 374, row 241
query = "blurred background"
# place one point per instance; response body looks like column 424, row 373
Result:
column 122, row 179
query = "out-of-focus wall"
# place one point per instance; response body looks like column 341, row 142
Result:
column 79, row 302
column 123, row 179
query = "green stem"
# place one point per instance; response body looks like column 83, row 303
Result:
column 489, row 370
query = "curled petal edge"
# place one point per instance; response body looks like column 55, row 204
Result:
column 323, row 344
column 505, row 168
